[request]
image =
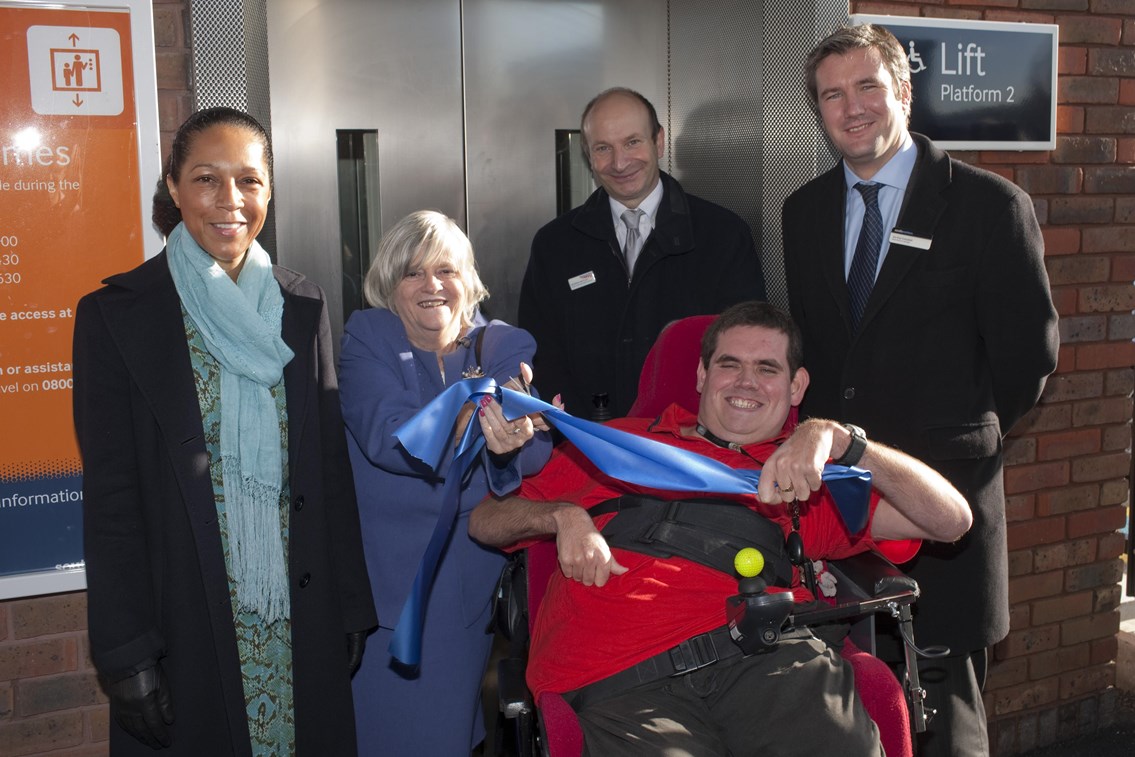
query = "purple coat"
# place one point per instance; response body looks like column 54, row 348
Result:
column 384, row 381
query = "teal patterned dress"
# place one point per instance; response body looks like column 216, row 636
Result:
column 265, row 649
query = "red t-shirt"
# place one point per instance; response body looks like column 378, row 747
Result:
column 585, row 633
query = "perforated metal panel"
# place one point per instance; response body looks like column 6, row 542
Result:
column 743, row 134
column 794, row 147
column 230, row 67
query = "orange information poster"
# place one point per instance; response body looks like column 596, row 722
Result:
column 70, row 215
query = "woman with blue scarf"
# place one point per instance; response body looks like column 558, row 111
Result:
column 227, row 597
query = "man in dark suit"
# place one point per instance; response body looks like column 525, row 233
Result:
column 604, row 278
column 928, row 322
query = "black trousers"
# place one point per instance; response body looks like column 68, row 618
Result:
column 953, row 687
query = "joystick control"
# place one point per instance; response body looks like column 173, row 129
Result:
column 755, row 618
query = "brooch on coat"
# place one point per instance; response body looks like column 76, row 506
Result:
column 473, row 371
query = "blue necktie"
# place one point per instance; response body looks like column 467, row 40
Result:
column 861, row 278
column 619, row 454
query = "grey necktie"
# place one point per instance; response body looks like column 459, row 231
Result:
column 634, row 243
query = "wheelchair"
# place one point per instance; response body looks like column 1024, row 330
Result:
column 866, row 584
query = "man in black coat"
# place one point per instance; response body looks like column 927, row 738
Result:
column 952, row 345
column 594, row 312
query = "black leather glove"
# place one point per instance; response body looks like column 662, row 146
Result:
column 356, row 645
column 143, row 707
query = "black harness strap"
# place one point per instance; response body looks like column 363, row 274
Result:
column 707, row 531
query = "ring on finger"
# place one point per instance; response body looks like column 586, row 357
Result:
column 786, row 488
column 515, row 430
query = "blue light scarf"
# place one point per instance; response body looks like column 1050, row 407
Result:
column 240, row 323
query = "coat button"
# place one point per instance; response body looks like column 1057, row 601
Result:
column 849, row 393
column 305, row 580
column 299, row 503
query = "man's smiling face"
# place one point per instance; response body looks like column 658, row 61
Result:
column 747, row 390
column 863, row 109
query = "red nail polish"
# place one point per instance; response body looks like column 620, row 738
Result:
column 481, row 411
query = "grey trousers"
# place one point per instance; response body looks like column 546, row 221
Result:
column 797, row 700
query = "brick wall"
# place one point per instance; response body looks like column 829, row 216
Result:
column 1069, row 461
column 50, row 701
column 171, row 29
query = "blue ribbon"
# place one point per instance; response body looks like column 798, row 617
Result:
column 619, row 454
column 426, row 436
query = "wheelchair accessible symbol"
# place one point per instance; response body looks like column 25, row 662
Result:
column 915, row 59
column 75, row 71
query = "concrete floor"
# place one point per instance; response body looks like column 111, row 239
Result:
column 1117, row 740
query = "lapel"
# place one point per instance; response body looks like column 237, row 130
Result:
column 672, row 228
column 673, row 231
column 144, row 314
column 299, row 329
column 594, row 218
column 828, row 225
column 922, row 206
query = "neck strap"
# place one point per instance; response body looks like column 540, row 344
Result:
column 713, row 438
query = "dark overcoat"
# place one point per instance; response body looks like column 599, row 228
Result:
column 594, row 324
column 156, row 577
column 954, row 347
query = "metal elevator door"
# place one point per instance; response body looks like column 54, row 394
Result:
column 465, row 98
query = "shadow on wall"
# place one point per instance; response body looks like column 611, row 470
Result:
column 716, row 154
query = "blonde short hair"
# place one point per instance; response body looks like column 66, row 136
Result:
column 421, row 239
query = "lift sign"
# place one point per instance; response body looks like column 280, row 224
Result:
column 980, row 85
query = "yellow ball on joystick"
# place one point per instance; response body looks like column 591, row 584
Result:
column 749, row 562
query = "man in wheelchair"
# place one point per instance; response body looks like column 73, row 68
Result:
column 633, row 635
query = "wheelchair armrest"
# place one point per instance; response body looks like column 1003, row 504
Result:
column 870, row 575
column 510, row 601
column 515, row 699
column 865, row 583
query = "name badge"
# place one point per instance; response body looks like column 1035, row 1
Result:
column 582, row 280
column 898, row 236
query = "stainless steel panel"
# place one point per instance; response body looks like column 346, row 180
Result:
column 530, row 68
column 715, row 103
column 394, row 66
column 468, row 94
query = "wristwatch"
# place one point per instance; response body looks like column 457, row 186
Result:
column 855, row 449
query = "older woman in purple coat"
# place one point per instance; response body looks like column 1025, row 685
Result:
column 418, row 339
